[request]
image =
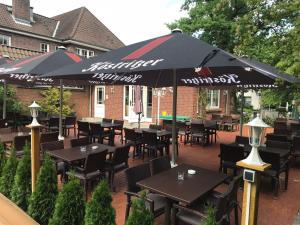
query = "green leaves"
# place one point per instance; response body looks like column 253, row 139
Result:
column 99, row 210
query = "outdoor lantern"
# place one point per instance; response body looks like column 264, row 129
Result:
column 256, row 134
column 34, row 110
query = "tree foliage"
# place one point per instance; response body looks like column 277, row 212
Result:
column 2, row 157
column 70, row 205
column 42, row 200
column 99, row 210
column 13, row 105
column 21, row 190
column 50, row 102
column 211, row 216
column 140, row 215
column 8, row 174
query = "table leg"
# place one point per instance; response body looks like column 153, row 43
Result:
column 168, row 211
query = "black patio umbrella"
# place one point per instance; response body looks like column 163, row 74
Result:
column 172, row 60
column 4, row 60
column 28, row 71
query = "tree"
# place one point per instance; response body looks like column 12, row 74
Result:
column 50, row 102
column 42, row 200
column 8, row 174
column 13, row 105
column 21, row 190
column 2, row 158
column 69, row 206
column 99, row 210
column 140, row 215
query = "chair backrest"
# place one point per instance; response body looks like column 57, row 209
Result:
column 272, row 158
column 242, row 140
column 120, row 123
column 296, row 144
column 150, row 138
column 276, row 137
column 155, row 127
column 280, row 125
column 70, row 120
column 295, row 127
column 121, row 155
column 53, row 122
column 51, row 146
column 83, row 126
column 279, row 144
column 106, row 120
column 20, row 141
column 160, row 164
column 216, row 117
column 49, row 137
column 231, row 153
column 79, row 142
column 197, row 128
column 282, row 131
column 130, row 134
column 136, row 174
column 95, row 161
column 181, row 125
column 169, row 128
column 96, row 128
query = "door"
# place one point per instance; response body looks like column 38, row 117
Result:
column 99, row 109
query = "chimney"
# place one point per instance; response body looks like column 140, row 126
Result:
column 21, row 10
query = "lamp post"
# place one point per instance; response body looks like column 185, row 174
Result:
column 253, row 166
column 159, row 92
column 35, row 142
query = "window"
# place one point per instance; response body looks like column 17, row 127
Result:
column 100, row 95
column 213, row 99
column 45, row 47
column 85, row 53
column 5, row 40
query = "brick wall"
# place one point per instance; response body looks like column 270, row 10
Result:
column 21, row 9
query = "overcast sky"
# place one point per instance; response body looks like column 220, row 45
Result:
column 131, row 20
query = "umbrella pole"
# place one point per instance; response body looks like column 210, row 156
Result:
column 174, row 135
column 61, row 90
column 242, row 112
column 4, row 100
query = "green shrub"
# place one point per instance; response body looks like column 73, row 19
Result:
column 42, row 200
column 8, row 174
column 21, row 189
column 99, row 210
column 140, row 215
column 211, row 216
column 69, row 205
column 2, row 158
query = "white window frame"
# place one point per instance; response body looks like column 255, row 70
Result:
column 7, row 38
column 210, row 99
column 47, row 49
column 85, row 52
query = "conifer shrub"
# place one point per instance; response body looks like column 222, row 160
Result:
column 8, row 174
column 69, row 205
column 211, row 216
column 42, row 200
column 140, row 215
column 99, row 210
column 2, row 158
column 21, row 190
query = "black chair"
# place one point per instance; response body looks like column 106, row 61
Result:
column 212, row 129
column 278, row 166
column 183, row 131
column 106, row 120
column 134, row 139
column 119, row 129
column 154, row 202
column 160, row 164
column 19, row 143
column 229, row 156
column 118, row 163
column 155, row 127
column 223, row 204
column 49, row 137
column 198, row 133
column 94, row 167
column 69, row 123
column 152, row 144
column 276, row 137
column 98, row 132
column 51, row 146
column 285, row 146
column 83, row 129
column 53, row 124
column 296, row 147
column 229, row 123
column 242, row 140
column 79, row 142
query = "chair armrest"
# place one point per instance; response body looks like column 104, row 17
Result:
column 79, row 169
column 189, row 210
column 131, row 194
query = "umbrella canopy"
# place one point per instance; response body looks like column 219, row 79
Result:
column 28, row 70
column 152, row 63
column 4, row 61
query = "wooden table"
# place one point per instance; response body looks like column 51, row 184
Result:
column 74, row 154
column 192, row 188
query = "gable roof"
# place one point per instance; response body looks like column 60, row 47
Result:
column 81, row 25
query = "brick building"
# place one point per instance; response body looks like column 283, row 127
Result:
column 24, row 33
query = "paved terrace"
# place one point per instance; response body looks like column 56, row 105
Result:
column 276, row 211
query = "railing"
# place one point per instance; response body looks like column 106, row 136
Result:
column 11, row 214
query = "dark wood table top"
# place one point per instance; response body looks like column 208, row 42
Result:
column 74, row 154
column 159, row 133
column 187, row 191
column 9, row 137
column 106, row 125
